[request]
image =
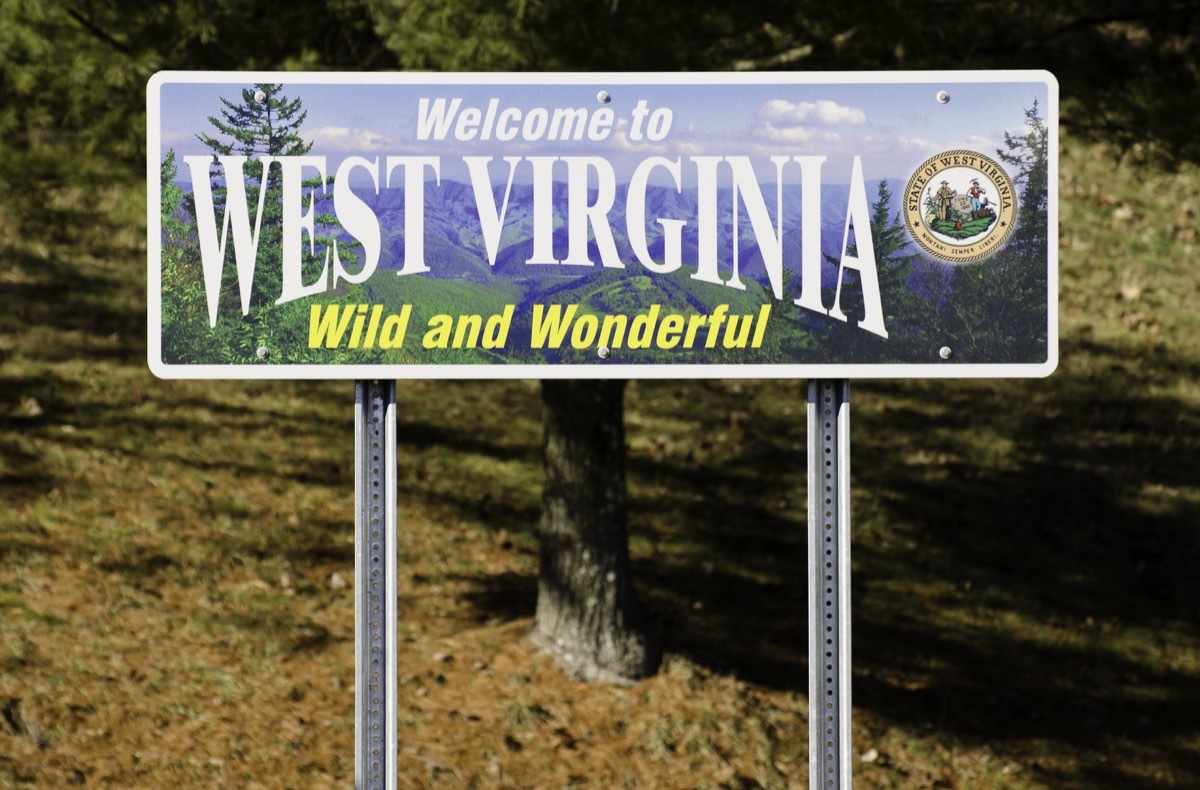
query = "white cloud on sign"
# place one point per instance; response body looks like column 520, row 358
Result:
column 794, row 135
column 682, row 141
column 985, row 145
column 782, row 113
column 346, row 140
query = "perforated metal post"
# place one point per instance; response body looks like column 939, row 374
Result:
column 829, row 734
column 375, row 585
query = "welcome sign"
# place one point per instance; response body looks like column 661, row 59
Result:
column 602, row 225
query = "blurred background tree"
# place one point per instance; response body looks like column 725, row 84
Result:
column 73, row 74
column 1128, row 69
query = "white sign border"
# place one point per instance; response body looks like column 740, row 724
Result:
column 598, row 370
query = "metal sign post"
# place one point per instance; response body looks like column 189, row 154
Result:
column 375, row 585
column 829, row 734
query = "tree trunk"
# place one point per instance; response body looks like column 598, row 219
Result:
column 588, row 615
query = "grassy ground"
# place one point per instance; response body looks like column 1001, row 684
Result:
column 175, row 558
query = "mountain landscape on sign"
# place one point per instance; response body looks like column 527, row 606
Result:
column 455, row 248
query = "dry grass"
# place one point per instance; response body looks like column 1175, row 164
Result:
column 174, row 556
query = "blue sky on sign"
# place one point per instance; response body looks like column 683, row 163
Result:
column 892, row 126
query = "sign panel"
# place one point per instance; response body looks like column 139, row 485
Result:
column 353, row 226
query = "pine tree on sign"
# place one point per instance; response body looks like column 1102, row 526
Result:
column 265, row 123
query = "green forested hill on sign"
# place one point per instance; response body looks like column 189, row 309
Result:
column 175, row 557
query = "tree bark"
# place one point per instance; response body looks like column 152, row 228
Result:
column 588, row 614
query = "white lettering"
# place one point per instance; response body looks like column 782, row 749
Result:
column 635, row 218
column 491, row 220
column 245, row 241
column 810, row 233
column 296, row 221
column 437, row 120
column 414, row 206
column 580, row 214
column 357, row 218
column 435, row 124
column 858, row 214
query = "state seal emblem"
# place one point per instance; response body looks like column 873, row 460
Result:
column 960, row 206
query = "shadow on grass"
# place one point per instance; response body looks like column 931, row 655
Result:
column 1024, row 556
column 1064, row 593
column 56, row 303
column 31, row 402
column 70, row 293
